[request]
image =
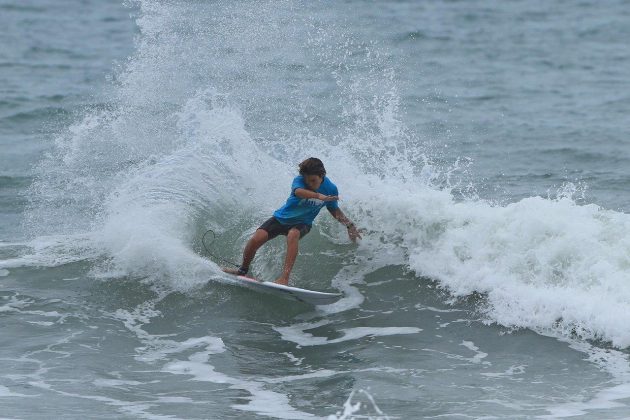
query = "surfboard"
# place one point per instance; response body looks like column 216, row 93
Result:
column 287, row 292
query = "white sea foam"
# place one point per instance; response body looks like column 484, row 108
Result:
column 479, row 355
column 611, row 395
column 151, row 218
column 6, row 392
column 160, row 349
column 51, row 251
column 360, row 404
column 114, row 383
column 541, row 263
column 509, row 372
column 605, row 399
column 297, row 333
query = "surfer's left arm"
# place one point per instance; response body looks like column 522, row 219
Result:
column 353, row 232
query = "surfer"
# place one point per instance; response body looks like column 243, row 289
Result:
column 310, row 191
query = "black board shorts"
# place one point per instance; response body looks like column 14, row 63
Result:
column 274, row 228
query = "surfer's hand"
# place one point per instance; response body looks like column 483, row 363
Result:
column 354, row 233
column 327, row 197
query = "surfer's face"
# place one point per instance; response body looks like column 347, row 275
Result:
column 313, row 181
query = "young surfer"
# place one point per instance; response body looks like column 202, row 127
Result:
column 310, row 191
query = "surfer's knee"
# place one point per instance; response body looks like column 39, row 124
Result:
column 293, row 234
column 261, row 236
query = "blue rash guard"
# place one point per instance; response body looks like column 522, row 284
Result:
column 303, row 210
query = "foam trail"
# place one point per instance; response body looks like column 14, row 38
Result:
column 297, row 333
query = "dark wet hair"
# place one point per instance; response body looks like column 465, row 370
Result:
column 312, row 166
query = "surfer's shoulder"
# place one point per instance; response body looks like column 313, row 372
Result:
column 328, row 183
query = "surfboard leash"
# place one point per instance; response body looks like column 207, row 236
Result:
column 214, row 237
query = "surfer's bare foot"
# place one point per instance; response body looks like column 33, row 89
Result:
column 283, row 280
column 231, row 270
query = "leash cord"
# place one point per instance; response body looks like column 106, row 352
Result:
column 214, row 237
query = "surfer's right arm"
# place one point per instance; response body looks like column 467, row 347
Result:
column 304, row 193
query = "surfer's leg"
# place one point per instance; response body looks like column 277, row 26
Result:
column 293, row 238
column 256, row 241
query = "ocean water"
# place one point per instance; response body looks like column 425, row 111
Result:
column 483, row 147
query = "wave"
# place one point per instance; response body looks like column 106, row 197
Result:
column 207, row 123
column 540, row 263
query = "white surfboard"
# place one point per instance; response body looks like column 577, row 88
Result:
column 287, row 292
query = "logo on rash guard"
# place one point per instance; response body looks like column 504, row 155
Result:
column 312, row 202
